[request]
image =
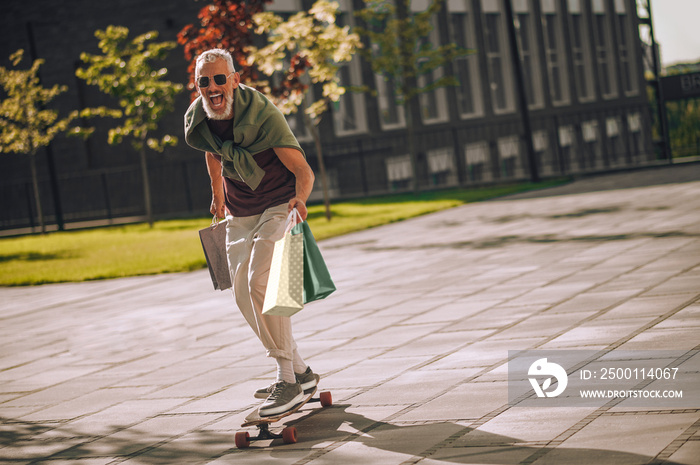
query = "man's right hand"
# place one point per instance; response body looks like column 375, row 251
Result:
column 218, row 206
column 218, row 198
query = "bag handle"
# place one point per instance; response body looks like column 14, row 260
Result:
column 215, row 222
column 292, row 220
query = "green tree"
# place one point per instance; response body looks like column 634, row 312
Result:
column 684, row 117
column 126, row 72
column 26, row 125
column 313, row 47
column 401, row 52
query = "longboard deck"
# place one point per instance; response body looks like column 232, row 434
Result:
column 255, row 419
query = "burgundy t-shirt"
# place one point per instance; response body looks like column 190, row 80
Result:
column 278, row 185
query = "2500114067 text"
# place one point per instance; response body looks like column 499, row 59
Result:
column 638, row 373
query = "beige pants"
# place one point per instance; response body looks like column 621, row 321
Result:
column 250, row 241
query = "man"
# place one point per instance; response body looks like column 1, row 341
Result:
column 258, row 175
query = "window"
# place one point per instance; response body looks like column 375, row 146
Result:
column 603, row 50
column 634, row 122
column 297, row 125
column 624, row 48
column 391, row 114
column 476, row 157
column 399, row 172
column 296, row 119
column 433, row 104
column 567, row 147
column 539, row 141
column 636, row 136
column 509, row 154
column 566, row 136
column 284, row 6
column 591, row 147
column 589, row 131
column 349, row 112
column 612, row 126
column 497, row 57
column 580, row 52
column 466, row 68
column 441, row 166
column 527, row 45
column 554, row 52
column 543, row 153
column 615, row 141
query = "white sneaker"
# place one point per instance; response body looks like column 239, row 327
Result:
column 308, row 380
column 285, row 396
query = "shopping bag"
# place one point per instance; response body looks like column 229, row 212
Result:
column 285, row 284
column 214, row 245
column 317, row 279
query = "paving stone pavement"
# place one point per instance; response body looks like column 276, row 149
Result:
column 414, row 345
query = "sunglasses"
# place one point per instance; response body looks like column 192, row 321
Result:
column 219, row 79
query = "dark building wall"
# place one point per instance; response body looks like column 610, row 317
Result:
column 101, row 181
column 93, row 176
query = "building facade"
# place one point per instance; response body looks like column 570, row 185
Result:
column 582, row 76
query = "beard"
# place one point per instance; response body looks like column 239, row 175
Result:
column 228, row 108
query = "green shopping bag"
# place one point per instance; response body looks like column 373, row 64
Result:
column 317, row 280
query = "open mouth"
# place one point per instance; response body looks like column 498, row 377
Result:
column 216, row 100
column 218, row 105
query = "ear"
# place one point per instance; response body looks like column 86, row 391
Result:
column 235, row 79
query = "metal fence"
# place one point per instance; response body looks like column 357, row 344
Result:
column 108, row 195
column 479, row 155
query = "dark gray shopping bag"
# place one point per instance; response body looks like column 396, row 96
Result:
column 214, row 244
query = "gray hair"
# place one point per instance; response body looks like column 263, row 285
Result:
column 211, row 56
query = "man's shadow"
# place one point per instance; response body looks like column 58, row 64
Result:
column 447, row 441
column 319, row 430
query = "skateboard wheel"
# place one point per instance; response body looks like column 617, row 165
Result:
column 242, row 440
column 326, row 398
column 289, row 435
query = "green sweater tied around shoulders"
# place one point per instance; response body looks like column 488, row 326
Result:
column 258, row 125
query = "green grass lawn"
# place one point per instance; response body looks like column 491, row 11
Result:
column 173, row 245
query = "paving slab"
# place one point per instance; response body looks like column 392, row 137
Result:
column 415, row 344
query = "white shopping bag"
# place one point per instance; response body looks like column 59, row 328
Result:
column 285, row 284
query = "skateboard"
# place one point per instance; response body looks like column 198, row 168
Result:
column 289, row 433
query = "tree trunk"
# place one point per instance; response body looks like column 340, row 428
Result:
column 321, row 165
column 408, row 111
column 37, row 194
column 408, row 82
column 146, row 184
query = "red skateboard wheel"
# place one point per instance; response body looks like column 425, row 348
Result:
column 242, row 440
column 326, row 398
column 289, row 435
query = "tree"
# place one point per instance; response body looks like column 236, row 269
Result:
column 401, row 52
column 683, row 117
column 684, row 126
column 314, row 46
column 25, row 124
column 124, row 71
column 225, row 24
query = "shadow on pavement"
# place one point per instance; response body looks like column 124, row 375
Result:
column 441, row 441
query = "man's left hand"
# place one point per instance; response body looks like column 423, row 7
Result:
column 300, row 206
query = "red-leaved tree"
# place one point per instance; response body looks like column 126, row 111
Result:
column 228, row 24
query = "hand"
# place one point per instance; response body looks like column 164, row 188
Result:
column 218, row 207
column 300, row 205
